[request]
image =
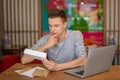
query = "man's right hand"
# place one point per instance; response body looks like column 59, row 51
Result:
column 52, row 41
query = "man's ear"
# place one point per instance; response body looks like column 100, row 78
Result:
column 65, row 24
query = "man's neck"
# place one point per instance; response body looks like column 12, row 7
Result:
column 62, row 37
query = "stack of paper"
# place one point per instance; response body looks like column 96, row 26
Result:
column 36, row 54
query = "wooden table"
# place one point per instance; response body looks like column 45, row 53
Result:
column 113, row 74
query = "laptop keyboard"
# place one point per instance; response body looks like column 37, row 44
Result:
column 80, row 72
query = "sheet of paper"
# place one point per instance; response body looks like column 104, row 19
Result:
column 29, row 72
column 36, row 54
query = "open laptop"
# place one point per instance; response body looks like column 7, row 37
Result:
column 99, row 60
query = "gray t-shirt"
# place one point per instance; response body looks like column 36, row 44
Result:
column 71, row 48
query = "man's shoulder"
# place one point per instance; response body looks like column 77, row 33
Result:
column 74, row 32
column 46, row 35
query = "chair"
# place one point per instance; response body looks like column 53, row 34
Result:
column 7, row 61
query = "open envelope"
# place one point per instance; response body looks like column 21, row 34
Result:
column 31, row 72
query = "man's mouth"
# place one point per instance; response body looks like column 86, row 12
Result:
column 53, row 33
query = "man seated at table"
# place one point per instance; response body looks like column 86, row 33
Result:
column 65, row 48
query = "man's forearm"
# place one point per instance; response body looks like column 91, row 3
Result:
column 27, row 59
column 43, row 47
column 72, row 64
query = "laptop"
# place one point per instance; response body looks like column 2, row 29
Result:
column 99, row 60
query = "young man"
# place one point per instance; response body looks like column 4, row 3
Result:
column 65, row 48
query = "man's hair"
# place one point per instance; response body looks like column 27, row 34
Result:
column 57, row 13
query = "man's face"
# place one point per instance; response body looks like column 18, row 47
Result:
column 56, row 26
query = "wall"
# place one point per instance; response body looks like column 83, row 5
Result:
column 24, row 26
column 22, row 21
column 1, row 23
column 86, row 16
column 112, row 25
column 112, row 21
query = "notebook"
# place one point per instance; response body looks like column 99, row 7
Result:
column 99, row 60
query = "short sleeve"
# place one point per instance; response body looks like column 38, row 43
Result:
column 40, row 42
column 80, row 50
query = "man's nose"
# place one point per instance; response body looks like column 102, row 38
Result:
column 52, row 29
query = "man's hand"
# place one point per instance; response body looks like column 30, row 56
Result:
column 51, row 65
column 52, row 41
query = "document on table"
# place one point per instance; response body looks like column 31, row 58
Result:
column 29, row 71
column 36, row 54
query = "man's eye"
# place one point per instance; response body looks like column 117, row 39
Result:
column 50, row 26
column 56, row 25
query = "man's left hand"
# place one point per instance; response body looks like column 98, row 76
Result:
column 51, row 65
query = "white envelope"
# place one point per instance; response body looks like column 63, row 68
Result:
column 29, row 72
column 36, row 54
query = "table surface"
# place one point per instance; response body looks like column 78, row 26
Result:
column 10, row 74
